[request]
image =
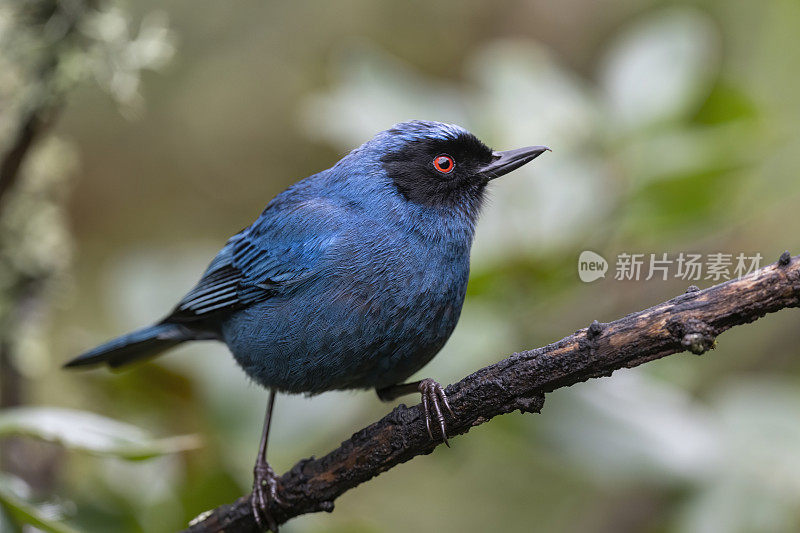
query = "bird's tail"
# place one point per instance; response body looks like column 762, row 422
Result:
column 140, row 344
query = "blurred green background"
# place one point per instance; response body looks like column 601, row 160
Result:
column 674, row 128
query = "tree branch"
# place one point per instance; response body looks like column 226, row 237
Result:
column 12, row 160
column 689, row 322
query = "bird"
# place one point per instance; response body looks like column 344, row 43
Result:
column 352, row 278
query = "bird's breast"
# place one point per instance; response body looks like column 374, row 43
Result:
column 376, row 314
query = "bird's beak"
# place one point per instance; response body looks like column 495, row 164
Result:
column 504, row 162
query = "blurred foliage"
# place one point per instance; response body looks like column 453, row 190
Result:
column 78, row 430
column 673, row 128
column 14, row 496
column 46, row 49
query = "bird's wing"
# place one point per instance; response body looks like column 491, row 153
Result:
column 285, row 246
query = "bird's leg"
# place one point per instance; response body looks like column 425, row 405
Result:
column 265, row 483
column 433, row 397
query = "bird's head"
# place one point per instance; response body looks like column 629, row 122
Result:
column 444, row 165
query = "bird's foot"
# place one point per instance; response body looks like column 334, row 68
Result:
column 265, row 490
column 433, row 397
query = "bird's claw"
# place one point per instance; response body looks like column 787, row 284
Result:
column 265, row 490
column 433, row 397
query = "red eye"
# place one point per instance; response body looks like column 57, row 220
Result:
column 444, row 163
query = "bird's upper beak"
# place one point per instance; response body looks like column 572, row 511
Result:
column 504, row 162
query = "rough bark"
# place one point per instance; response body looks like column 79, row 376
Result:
column 689, row 322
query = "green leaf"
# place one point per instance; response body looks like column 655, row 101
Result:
column 88, row 432
column 24, row 512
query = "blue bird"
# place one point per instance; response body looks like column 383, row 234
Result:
column 352, row 278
